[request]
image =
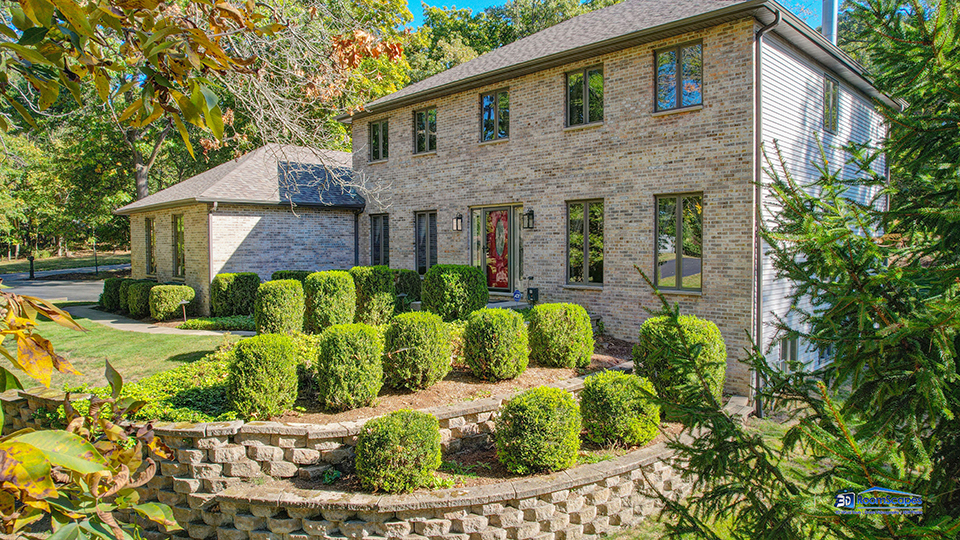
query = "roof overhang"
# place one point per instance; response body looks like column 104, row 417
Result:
column 184, row 202
column 795, row 30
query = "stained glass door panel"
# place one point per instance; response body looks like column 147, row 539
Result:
column 498, row 248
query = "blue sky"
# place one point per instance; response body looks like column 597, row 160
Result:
column 813, row 6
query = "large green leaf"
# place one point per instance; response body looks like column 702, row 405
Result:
column 70, row 531
column 23, row 466
column 8, row 381
column 66, row 450
column 158, row 513
column 114, row 378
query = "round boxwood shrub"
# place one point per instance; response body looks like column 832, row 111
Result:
column 495, row 344
column 653, row 355
column 453, row 291
column 349, row 366
column 279, row 307
column 263, row 376
column 306, row 347
column 375, row 294
column 406, row 282
column 298, row 275
column 615, row 408
column 416, row 352
column 560, row 335
column 234, row 294
column 123, row 294
column 165, row 301
column 331, row 298
column 538, row 430
column 138, row 298
column 110, row 300
column 398, row 452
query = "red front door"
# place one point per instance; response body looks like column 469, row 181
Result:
column 498, row 251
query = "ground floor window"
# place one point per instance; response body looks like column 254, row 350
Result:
column 151, row 241
column 789, row 352
column 426, row 229
column 679, row 237
column 380, row 240
column 179, row 249
column 585, row 242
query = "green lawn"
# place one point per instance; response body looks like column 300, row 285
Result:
column 59, row 263
column 133, row 354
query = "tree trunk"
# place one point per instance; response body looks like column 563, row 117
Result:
column 59, row 246
column 142, row 164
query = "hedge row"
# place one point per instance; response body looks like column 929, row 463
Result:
column 234, row 294
column 166, row 301
column 279, row 307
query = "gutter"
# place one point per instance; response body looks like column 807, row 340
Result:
column 758, row 197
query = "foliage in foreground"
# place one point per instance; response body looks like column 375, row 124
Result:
column 220, row 324
column 398, row 452
column 539, row 430
column 263, row 377
column 617, row 408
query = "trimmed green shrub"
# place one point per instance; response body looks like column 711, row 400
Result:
column 538, row 430
column 615, row 409
column 263, row 376
column 652, row 357
column 375, row 294
column 298, row 275
column 279, row 307
column 406, row 282
column 417, row 351
column 110, row 300
column 457, row 330
column 495, row 344
column 138, row 298
column 398, row 452
column 233, row 294
column 165, row 301
column 331, row 298
column 220, row 324
column 123, row 294
column 560, row 335
column 453, row 291
column 306, row 347
column 349, row 366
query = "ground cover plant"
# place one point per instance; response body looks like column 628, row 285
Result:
column 398, row 452
column 220, row 324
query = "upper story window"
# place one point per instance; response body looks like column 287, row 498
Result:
column 679, row 263
column 585, row 243
column 150, row 231
column 585, row 96
column 495, row 116
column 679, row 76
column 425, row 131
column 179, row 248
column 380, row 240
column 379, row 138
column 831, row 104
column 426, row 223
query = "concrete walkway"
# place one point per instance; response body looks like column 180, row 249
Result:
column 119, row 322
column 22, row 276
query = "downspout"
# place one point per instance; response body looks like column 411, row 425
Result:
column 356, row 237
column 758, row 196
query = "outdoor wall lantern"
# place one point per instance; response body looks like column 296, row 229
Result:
column 458, row 222
column 527, row 220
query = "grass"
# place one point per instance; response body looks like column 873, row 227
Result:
column 133, row 354
column 60, row 263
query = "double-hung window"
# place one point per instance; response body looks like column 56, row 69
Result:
column 789, row 353
column 426, row 224
column 425, row 131
column 679, row 249
column 585, row 96
column 831, row 101
column 379, row 140
column 495, row 116
column 179, row 249
column 585, row 243
column 679, row 76
column 380, row 240
column 150, row 232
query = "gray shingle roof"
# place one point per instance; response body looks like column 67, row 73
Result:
column 271, row 174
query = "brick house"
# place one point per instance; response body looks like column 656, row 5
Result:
column 627, row 136
column 275, row 208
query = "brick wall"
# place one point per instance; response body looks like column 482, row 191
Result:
column 627, row 160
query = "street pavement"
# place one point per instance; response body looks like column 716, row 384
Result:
column 21, row 276
column 59, row 291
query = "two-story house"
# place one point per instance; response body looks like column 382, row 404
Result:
column 627, row 136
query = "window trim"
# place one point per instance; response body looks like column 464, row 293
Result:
column 416, row 239
column 586, row 96
column 496, row 116
column 384, row 251
column 177, row 245
column 383, row 122
column 586, row 283
column 677, row 245
column 150, row 231
column 831, row 124
column 678, row 101
column 427, row 149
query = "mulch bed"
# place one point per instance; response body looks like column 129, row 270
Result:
column 460, row 385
